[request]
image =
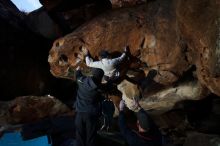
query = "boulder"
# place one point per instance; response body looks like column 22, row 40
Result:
column 26, row 109
column 9, row 12
column 156, row 35
column 68, row 4
column 162, row 99
column 41, row 23
column 23, row 57
column 22, row 72
column 135, row 27
column 201, row 139
column 126, row 3
column 69, row 15
column 199, row 25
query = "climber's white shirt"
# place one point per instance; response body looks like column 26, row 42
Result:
column 107, row 65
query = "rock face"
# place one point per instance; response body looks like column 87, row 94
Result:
column 41, row 23
column 21, row 63
column 171, row 37
column 163, row 99
column 183, row 123
column 70, row 14
column 16, row 56
column 157, row 34
column 132, row 27
column 23, row 58
column 30, row 108
column 202, row 139
column 126, row 3
column 200, row 28
column 64, row 4
column 8, row 11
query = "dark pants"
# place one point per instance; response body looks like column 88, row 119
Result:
column 108, row 109
column 86, row 129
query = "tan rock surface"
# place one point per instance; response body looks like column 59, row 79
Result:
column 168, row 36
column 199, row 23
column 126, row 3
column 147, row 35
column 30, row 108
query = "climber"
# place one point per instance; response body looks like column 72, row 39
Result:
column 147, row 135
column 87, row 106
column 108, row 65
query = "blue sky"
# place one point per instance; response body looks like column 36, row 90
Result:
column 27, row 5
